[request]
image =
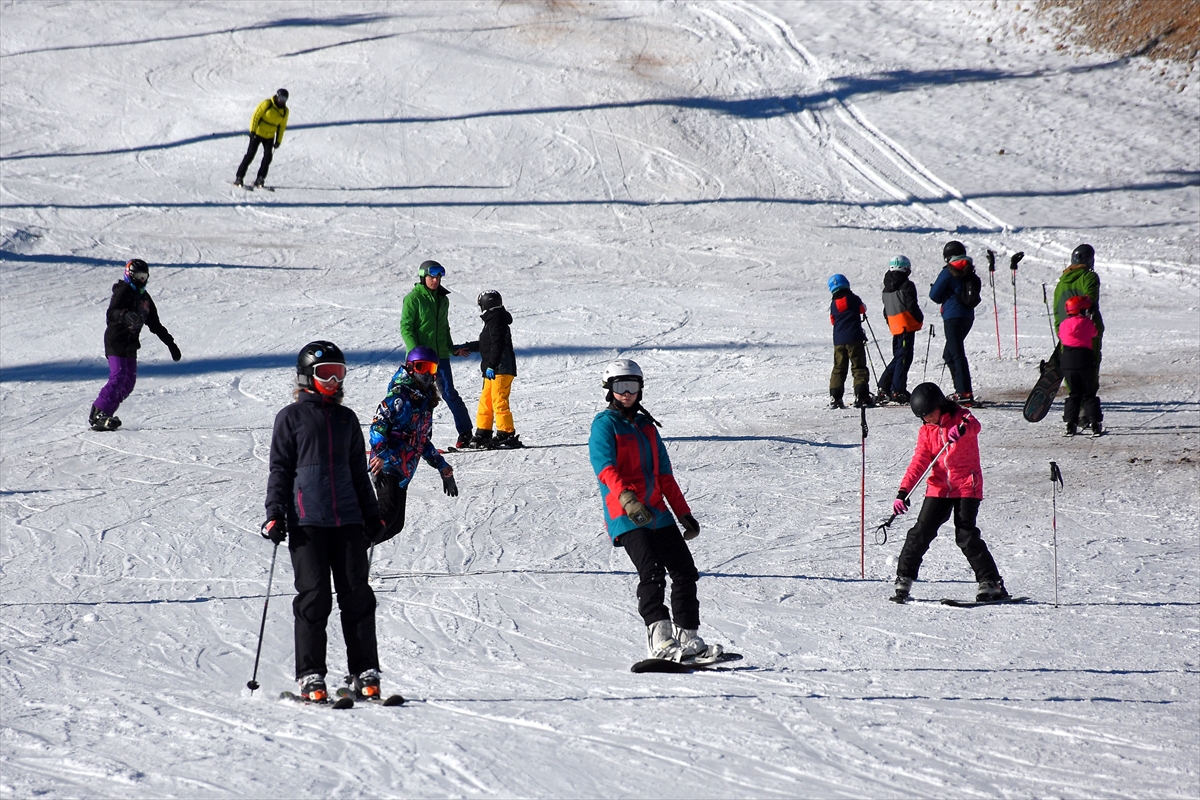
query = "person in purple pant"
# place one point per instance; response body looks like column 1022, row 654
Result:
column 130, row 309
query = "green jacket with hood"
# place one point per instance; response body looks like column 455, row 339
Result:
column 1077, row 280
column 425, row 319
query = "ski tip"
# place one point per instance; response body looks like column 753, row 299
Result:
column 394, row 700
column 343, row 703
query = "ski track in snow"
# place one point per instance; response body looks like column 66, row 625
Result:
column 671, row 183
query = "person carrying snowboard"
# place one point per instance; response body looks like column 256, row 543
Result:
column 400, row 436
column 130, row 309
column 320, row 500
column 1077, row 333
column 1079, row 279
column 846, row 313
column 904, row 318
column 498, row 363
column 267, row 125
column 636, row 485
column 957, row 289
column 425, row 322
column 955, row 487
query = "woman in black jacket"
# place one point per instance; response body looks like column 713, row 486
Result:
column 129, row 310
column 319, row 491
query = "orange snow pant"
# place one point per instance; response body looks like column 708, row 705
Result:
column 493, row 403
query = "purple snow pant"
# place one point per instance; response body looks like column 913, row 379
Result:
column 122, row 375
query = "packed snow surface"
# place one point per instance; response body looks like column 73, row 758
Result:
column 669, row 182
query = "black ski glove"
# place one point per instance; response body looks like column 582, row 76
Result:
column 991, row 257
column 373, row 529
column 635, row 509
column 1016, row 259
column 448, row 484
column 174, row 348
column 691, row 528
column 275, row 530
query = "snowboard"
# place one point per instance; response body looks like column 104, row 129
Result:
column 666, row 665
column 947, row 601
column 340, row 703
column 1037, row 405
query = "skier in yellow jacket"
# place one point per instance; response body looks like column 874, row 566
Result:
column 266, row 129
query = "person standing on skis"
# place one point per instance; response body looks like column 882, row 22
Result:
column 400, row 437
column 320, row 500
column 955, row 487
column 636, row 485
column 957, row 289
column 904, row 317
column 498, row 363
column 130, row 308
column 846, row 313
column 425, row 322
column 267, row 125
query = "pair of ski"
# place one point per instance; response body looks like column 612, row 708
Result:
column 949, row 601
column 344, row 698
column 249, row 187
column 689, row 665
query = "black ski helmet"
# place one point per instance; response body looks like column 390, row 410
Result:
column 430, row 267
column 137, row 271
column 488, row 300
column 925, row 398
column 953, row 249
column 1084, row 254
column 281, row 98
column 313, row 353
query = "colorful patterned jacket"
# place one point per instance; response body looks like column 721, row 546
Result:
column 402, row 427
column 630, row 455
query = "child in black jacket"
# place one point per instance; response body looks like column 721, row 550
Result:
column 498, row 363
column 129, row 310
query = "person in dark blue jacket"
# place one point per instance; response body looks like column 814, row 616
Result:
column 846, row 313
column 319, row 491
column 950, row 289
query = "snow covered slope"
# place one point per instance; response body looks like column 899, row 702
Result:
column 667, row 182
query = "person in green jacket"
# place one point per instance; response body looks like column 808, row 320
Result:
column 1080, row 279
column 266, row 129
column 425, row 322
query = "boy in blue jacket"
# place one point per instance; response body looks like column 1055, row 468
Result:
column 846, row 313
column 957, row 290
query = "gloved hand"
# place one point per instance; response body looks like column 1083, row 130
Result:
column 174, row 348
column 691, row 528
column 278, row 145
column 275, row 530
column 634, row 509
column 900, row 504
column 448, row 484
column 490, row 374
column 1016, row 259
column 373, row 529
column 957, row 432
column 133, row 320
column 991, row 257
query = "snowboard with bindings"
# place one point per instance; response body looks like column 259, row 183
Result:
column 949, row 601
column 1037, row 405
column 679, row 667
column 340, row 703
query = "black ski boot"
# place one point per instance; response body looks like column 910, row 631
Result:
column 903, row 587
column 835, row 399
column 103, row 422
column 862, row 397
column 508, row 440
column 464, row 441
column 482, row 439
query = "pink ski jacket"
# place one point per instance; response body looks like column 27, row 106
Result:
column 1077, row 331
column 957, row 473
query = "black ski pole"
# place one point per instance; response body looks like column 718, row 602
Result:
column 1049, row 316
column 1012, row 265
column 991, row 259
column 878, row 349
column 1056, row 486
column 252, row 684
column 925, row 370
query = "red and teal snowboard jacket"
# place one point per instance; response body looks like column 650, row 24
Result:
column 630, row 455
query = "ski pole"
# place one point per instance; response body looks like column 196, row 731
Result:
column 882, row 530
column 871, row 363
column 925, row 369
column 1056, row 486
column 252, row 684
column 991, row 259
column 1049, row 316
column 862, row 535
column 878, row 349
column 1012, row 265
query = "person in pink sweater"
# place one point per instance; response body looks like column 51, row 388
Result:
column 951, row 436
column 1077, row 333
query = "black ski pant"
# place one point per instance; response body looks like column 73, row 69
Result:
column 655, row 554
column 268, row 146
column 317, row 552
column 895, row 378
column 392, row 499
column 955, row 351
column 934, row 513
column 1079, row 374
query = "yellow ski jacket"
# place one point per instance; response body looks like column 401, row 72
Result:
column 269, row 121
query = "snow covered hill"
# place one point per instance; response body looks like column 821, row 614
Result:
column 670, row 182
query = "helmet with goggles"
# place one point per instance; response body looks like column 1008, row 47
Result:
column 137, row 272
column 321, row 368
column 431, row 269
column 422, row 363
column 623, row 376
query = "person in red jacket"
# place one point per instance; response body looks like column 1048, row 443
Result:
column 951, row 436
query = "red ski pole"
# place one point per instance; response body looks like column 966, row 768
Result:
column 862, row 550
column 991, row 258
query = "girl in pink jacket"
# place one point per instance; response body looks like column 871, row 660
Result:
column 955, row 487
column 1078, row 365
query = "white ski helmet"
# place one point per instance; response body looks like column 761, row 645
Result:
column 621, row 368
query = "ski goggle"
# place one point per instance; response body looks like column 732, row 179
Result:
column 436, row 272
column 626, row 387
column 423, row 367
column 325, row 373
column 958, row 262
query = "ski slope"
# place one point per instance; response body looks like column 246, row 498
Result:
column 669, row 182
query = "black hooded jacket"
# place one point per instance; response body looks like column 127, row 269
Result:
column 128, row 311
column 495, row 345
